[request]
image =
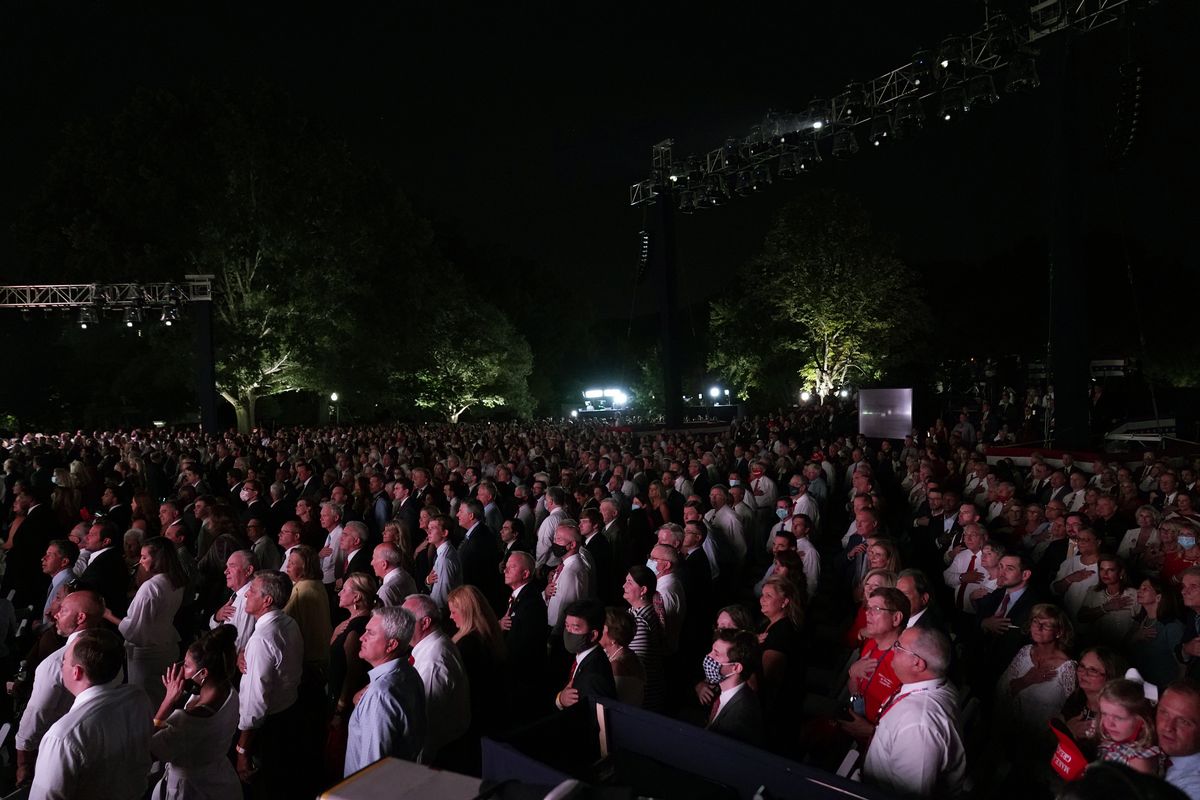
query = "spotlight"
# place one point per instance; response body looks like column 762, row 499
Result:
column 170, row 314
column 952, row 104
column 687, row 202
column 918, row 70
column 87, row 316
column 844, row 143
column 26, row 314
column 714, row 393
column 981, row 91
column 805, row 396
column 853, row 102
column 789, row 166
column 951, row 54
column 910, row 117
column 844, row 393
column 132, row 317
column 762, row 177
column 808, row 156
column 716, row 190
column 574, row 413
column 743, row 182
column 1022, row 72
column 818, row 114
column 881, row 128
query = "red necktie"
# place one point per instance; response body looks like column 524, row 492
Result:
column 571, row 676
column 557, row 571
column 1003, row 610
column 962, row 587
column 512, row 601
column 716, row 706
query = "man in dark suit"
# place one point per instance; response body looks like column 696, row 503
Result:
column 591, row 525
column 914, row 584
column 106, row 573
column 114, row 510
column 409, row 511
column 356, row 554
column 307, row 484
column 590, row 675
column 479, row 552
column 736, row 710
column 1002, row 618
column 253, row 505
column 524, row 625
column 282, row 508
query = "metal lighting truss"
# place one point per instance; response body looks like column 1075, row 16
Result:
column 105, row 296
column 1000, row 44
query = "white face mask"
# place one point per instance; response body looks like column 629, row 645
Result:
column 652, row 565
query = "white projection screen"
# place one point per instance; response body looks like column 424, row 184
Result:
column 885, row 413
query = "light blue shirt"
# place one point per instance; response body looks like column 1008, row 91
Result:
column 389, row 719
column 449, row 574
column 1184, row 774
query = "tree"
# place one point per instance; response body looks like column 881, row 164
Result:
column 824, row 304
column 473, row 357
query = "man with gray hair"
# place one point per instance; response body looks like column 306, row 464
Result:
column 571, row 580
column 447, row 693
column 239, row 569
column 331, row 522
column 269, row 717
column 389, row 719
column 395, row 583
column 354, row 556
column 917, row 749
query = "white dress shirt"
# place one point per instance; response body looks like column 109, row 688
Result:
column 274, row 659
column 151, row 641
column 103, row 741
column 449, row 574
column 670, row 589
column 545, row 538
column 805, row 504
column 329, row 563
column 1076, row 592
column 240, row 619
column 725, row 523
column 397, row 584
column 573, row 583
column 59, row 578
column 811, row 560
column 447, row 692
column 49, row 699
column 917, row 749
column 954, row 572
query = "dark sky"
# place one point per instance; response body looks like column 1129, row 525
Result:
column 519, row 130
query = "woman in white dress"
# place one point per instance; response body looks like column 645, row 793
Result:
column 151, row 641
column 1041, row 676
column 193, row 733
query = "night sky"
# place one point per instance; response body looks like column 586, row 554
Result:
column 518, row 132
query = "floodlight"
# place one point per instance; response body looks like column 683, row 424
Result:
column 853, row 102
column 574, row 413
column 981, row 91
column 910, row 116
column 881, row 128
column 953, row 103
column 918, row 70
column 169, row 314
column 844, row 143
column 1022, row 72
column 87, row 316
column 592, row 394
column 333, row 396
column 805, row 396
column 133, row 316
column 818, row 114
column 714, row 392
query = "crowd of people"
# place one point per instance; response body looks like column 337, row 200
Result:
column 267, row 613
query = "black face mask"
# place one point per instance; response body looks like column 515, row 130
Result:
column 558, row 550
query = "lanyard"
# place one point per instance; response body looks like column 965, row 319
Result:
column 895, row 701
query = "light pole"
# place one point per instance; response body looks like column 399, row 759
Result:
column 337, row 409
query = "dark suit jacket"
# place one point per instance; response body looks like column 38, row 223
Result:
column 361, row 562
column 121, row 516
column 594, row 678
column 992, row 653
column 602, row 558
column 932, row 619
column 107, row 575
column 741, row 719
column 410, row 513
column 526, row 639
column 257, row 510
column 480, row 554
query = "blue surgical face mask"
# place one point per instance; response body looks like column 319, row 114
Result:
column 652, row 565
column 1187, row 542
column 735, row 482
column 782, row 513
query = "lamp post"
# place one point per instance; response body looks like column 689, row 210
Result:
column 337, row 409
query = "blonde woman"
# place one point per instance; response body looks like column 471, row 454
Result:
column 481, row 645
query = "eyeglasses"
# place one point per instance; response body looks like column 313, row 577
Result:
column 879, row 610
column 904, row 649
column 1095, row 672
column 1044, row 626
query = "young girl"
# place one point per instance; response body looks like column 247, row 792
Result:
column 1127, row 727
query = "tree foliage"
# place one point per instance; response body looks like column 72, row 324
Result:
column 823, row 304
column 318, row 260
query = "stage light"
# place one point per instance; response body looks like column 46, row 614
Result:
column 818, row 114
column 592, row 394
column 687, row 202
column 762, row 177
column 743, row 182
column 981, row 91
column 952, row 104
column 714, row 393
column 133, row 316
column 1022, row 72
column 789, row 166
column 910, row 117
column 918, row 70
column 716, row 192
column 853, row 102
column 87, row 316
column 26, row 314
column 881, row 129
column 951, row 54
column 169, row 314
column 844, row 143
